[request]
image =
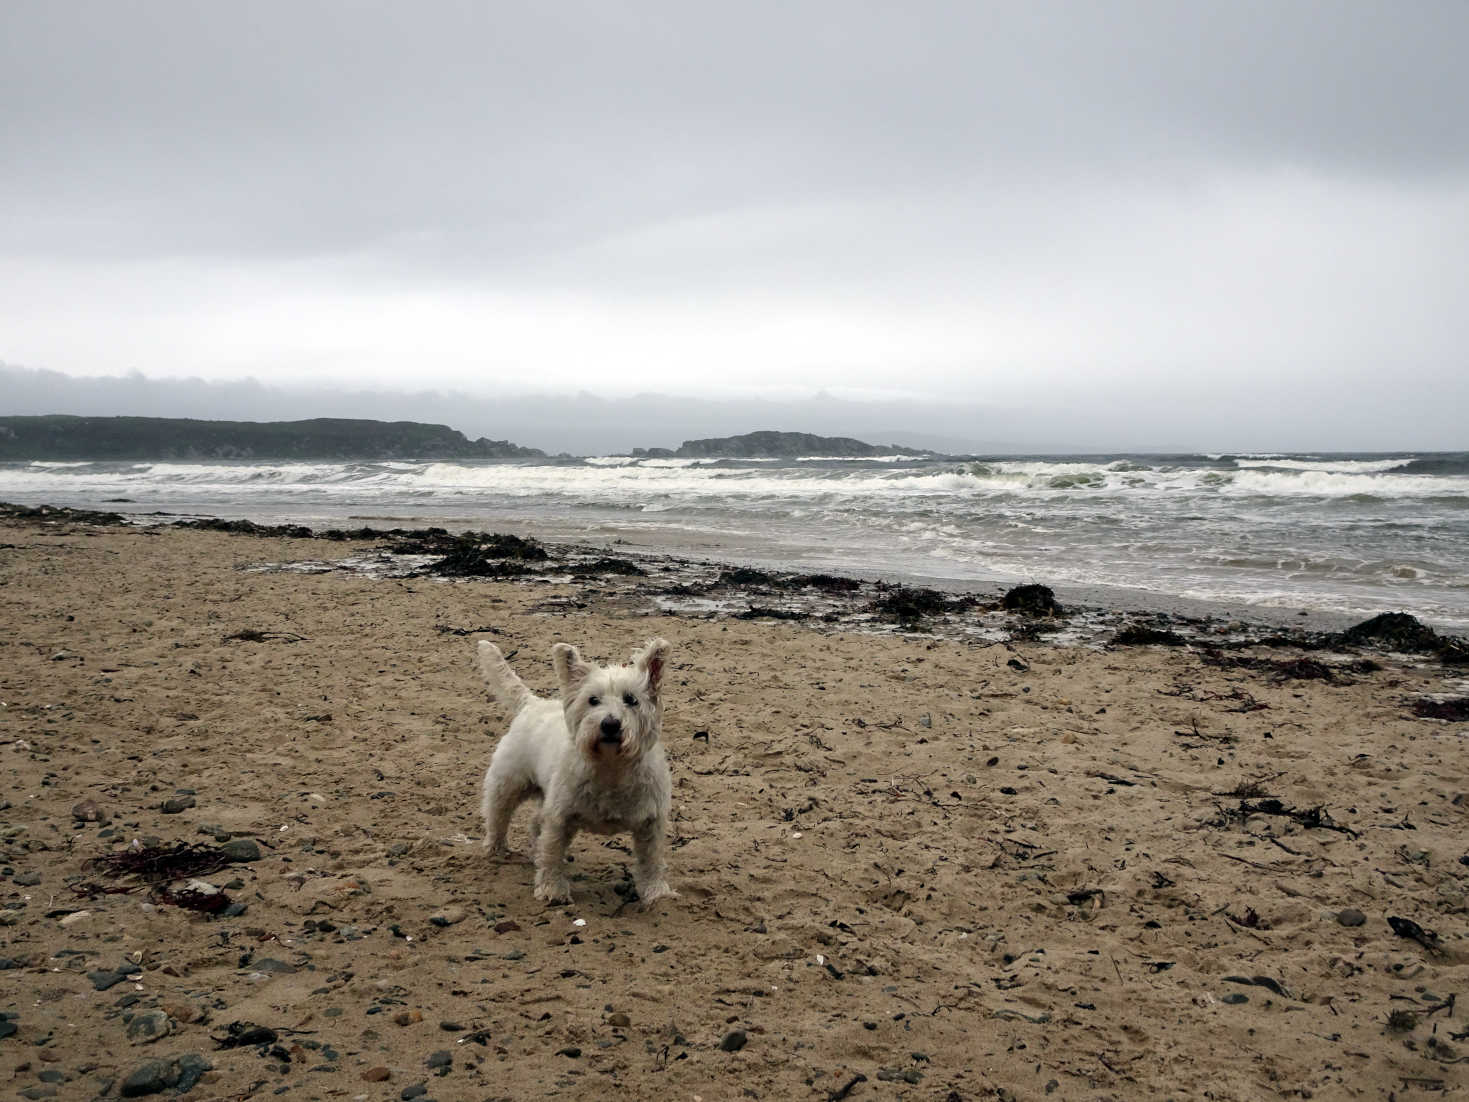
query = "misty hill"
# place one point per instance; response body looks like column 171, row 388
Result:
column 59, row 436
column 767, row 444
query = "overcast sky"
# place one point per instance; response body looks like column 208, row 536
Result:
column 1184, row 223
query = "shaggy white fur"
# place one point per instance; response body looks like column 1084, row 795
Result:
column 593, row 758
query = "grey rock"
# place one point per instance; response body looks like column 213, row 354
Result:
column 1350, row 916
column 28, row 879
column 181, row 1073
column 442, row 1058
column 733, row 1041
column 7, row 1028
column 103, row 980
column 148, row 1026
column 38, row 1092
column 174, row 804
column 417, row 1090
column 241, row 849
column 270, row 964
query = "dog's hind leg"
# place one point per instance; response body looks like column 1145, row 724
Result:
column 498, row 801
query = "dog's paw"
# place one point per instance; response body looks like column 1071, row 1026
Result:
column 554, row 891
column 654, row 892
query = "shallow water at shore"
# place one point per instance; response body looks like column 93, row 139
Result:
column 1338, row 536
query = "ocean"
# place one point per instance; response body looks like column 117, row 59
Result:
column 1345, row 535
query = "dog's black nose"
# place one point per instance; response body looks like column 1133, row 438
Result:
column 611, row 729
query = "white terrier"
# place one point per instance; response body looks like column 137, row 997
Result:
column 593, row 757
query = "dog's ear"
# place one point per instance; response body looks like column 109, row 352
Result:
column 651, row 660
column 571, row 670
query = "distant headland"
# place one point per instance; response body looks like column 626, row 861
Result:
column 61, row 436
column 66, row 437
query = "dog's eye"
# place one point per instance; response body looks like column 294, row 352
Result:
column 593, row 701
column 630, row 700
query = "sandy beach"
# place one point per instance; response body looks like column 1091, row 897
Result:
column 912, row 863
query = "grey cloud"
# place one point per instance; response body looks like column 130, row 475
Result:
column 497, row 131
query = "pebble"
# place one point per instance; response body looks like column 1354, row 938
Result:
column 449, row 916
column 441, row 1058
column 1350, row 916
column 733, row 1041
column 407, row 1017
column 241, row 849
column 148, row 1026
column 88, row 811
column 75, row 917
column 181, row 1073
column 417, row 1090
column 1234, row 998
column 27, row 879
column 270, row 964
column 619, row 1020
column 451, row 1027
column 103, row 980
column 7, row 1028
column 509, row 926
column 378, row 1074
column 174, row 804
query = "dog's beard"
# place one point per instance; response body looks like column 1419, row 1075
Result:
column 597, row 748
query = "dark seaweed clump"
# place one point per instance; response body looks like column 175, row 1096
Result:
column 1032, row 600
column 249, row 528
column 1455, row 710
column 478, row 555
column 1137, row 634
column 50, row 514
column 597, row 567
column 910, row 604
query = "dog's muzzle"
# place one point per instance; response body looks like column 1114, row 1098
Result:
column 611, row 728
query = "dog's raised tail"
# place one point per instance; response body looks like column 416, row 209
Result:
column 503, row 682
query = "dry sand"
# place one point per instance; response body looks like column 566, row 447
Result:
column 908, row 868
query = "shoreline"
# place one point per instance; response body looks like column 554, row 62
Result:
column 1104, row 608
column 910, row 862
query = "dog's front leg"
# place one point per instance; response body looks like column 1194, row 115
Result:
column 650, row 872
column 554, row 838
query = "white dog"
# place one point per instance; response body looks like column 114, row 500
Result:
column 593, row 757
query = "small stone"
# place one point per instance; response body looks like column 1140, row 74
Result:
column 570, row 1051
column 75, row 917
column 1234, row 998
column 441, row 1058
column 38, row 1092
column 407, row 1017
column 451, row 1027
column 241, row 849
column 450, row 916
column 509, row 926
column 88, row 811
column 733, row 1041
column 103, row 980
column 619, row 1020
column 183, row 1012
column 27, row 879
column 150, row 1078
column 7, row 1028
column 148, row 1026
column 174, row 804
column 378, row 1074
column 270, row 964
column 417, row 1090
column 1350, row 916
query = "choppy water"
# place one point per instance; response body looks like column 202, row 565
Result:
column 1353, row 534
